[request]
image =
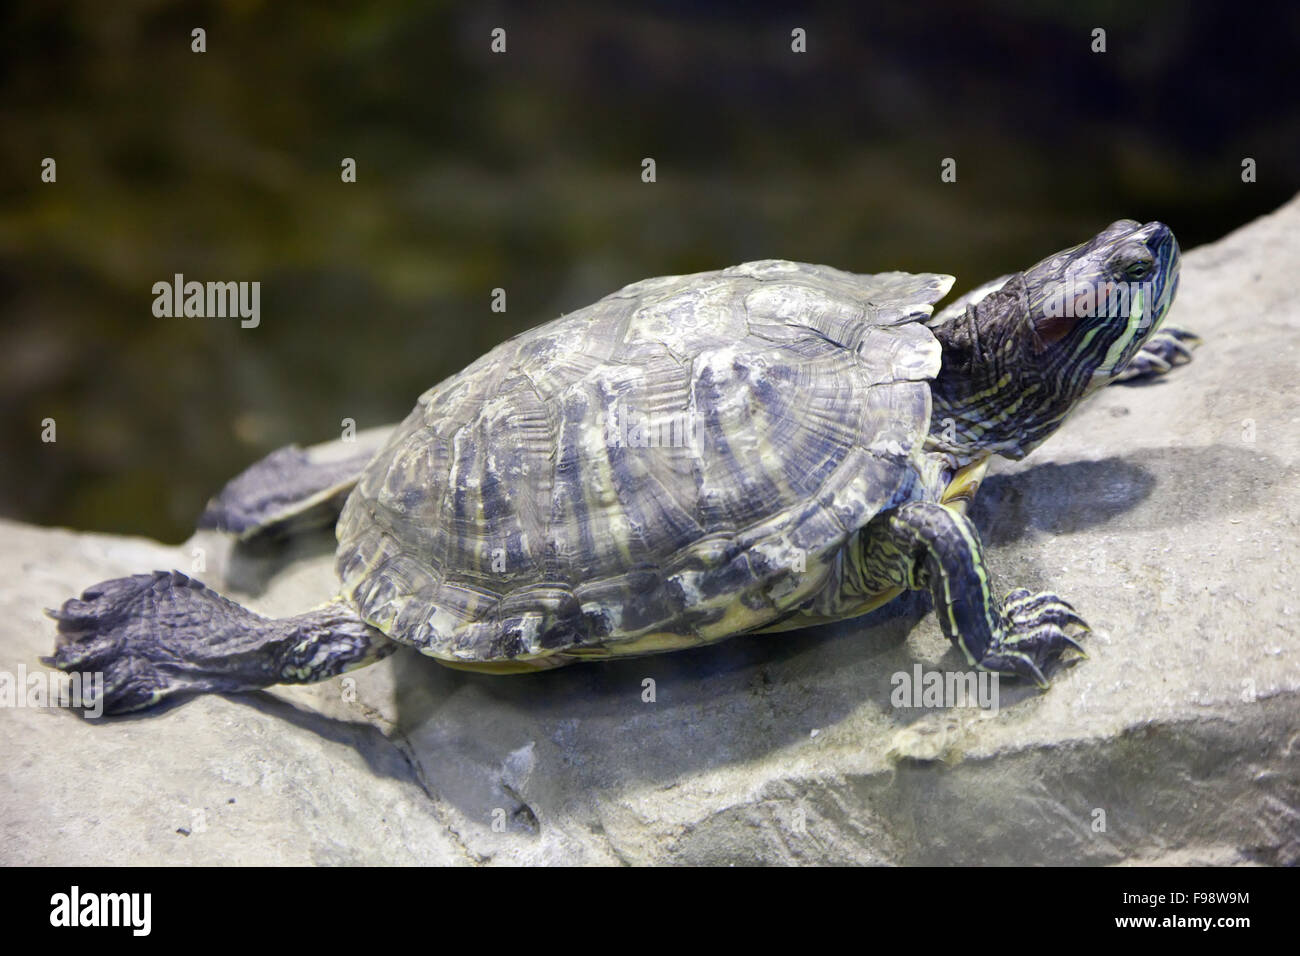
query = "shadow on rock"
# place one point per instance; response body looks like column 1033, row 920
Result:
column 1157, row 487
column 1058, row 498
column 381, row 755
column 252, row 565
column 592, row 727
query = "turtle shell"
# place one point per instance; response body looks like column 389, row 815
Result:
column 676, row 463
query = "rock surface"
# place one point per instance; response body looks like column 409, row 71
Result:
column 1167, row 513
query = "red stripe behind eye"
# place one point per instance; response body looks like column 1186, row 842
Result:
column 1054, row 328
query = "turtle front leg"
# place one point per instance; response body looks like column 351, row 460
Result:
column 924, row 545
column 1166, row 348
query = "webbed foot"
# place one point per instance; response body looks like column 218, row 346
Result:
column 152, row 636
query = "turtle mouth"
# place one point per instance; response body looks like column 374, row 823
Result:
column 1148, row 300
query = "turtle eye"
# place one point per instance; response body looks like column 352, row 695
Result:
column 1132, row 262
column 1138, row 269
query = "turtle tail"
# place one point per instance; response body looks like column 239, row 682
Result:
column 152, row 636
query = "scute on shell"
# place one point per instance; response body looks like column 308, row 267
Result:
column 649, row 466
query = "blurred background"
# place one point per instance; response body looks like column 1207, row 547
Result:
column 522, row 171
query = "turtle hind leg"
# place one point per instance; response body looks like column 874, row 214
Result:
column 924, row 545
column 293, row 490
column 156, row 635
column 1165, row 349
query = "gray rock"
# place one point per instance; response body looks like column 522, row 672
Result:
column 1167, row 513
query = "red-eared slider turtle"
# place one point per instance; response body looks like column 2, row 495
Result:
column 690, row 458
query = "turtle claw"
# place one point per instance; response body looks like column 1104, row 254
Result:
column 1074, row 645
column 1177, row 342
column 1016, row 664
column 1035, row 635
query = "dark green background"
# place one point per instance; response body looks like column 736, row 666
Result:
column 523, row 171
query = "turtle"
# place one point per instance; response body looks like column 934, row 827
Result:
column 759, row 448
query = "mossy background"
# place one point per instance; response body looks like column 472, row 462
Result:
column 522, row 171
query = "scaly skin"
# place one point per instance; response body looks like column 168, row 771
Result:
column 158, row 635
column 929, row 546
column 1014, row 366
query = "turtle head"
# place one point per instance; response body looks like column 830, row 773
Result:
column 1018, row 359
column 1090, row 308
